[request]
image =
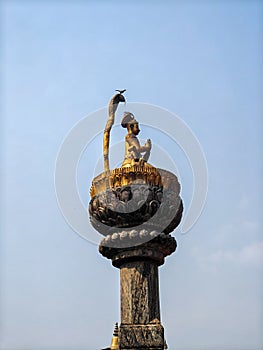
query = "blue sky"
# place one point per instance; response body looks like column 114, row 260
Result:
column 62, row 60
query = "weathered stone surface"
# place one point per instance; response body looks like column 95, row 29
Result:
column 139, row 286
column 141, row 336
column 140, row 204
column 154, row 249
column 139, row 293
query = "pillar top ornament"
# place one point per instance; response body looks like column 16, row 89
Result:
column 137, row 194
column 135, row 207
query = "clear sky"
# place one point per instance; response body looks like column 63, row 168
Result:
column 60, row 61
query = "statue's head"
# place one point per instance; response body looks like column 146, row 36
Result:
column 129, row 122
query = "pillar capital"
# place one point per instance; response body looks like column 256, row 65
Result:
column 153, row 246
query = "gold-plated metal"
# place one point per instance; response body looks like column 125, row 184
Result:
column 131, row 194
column 126, row 176
column 135, row 168
column 135, row 154
column 133, row 150
column 114, row 102
column 136, row 174
column 115, row 340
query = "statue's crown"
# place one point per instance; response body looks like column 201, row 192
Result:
column 128, row 118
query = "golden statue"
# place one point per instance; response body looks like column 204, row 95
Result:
column 137, row 187
column 114, row 102
column 133, row 149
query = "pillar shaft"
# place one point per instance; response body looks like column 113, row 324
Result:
column 139, row 293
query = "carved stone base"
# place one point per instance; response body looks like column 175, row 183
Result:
column 150, row 336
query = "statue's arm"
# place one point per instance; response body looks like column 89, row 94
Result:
column 147, row 147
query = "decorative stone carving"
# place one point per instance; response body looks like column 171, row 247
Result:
column 134, row 198
column 150, row 336
column 132, row 245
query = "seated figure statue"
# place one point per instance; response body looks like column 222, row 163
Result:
column 133, row 149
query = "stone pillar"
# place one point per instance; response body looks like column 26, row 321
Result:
column 140, row 326
column 139, row 292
